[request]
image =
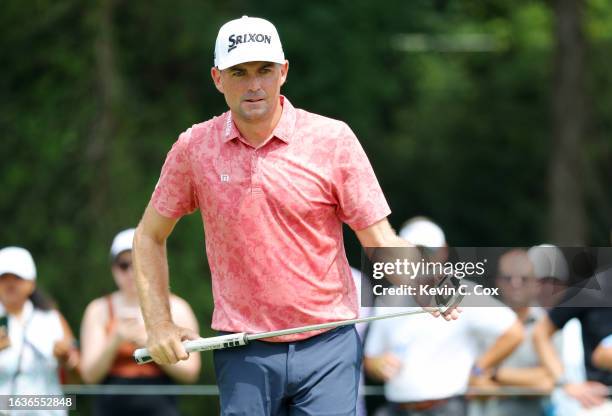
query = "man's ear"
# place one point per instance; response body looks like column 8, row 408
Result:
column 215, row 73
column 284, row 71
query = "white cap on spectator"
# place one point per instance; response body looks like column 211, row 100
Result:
column 122, row 242
column 423, row 232
column 548, row 261
column 17, row 261
column 247, row 39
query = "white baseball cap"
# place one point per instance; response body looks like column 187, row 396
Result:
column 17, row 261
column 423, row 232
column 122, row 242
column 247, row 39
column 548, row 261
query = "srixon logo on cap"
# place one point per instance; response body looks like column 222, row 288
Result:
column 235, row 40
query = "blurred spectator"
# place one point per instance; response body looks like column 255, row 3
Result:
column 519, row 289
column 412, row 355
column 552, row 271
column 35, row 340
column 113, row 328
column 596, row 324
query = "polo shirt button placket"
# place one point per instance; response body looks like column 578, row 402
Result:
column 255, row 184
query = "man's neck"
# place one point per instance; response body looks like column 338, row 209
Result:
column 257, row 132
column 522, row 312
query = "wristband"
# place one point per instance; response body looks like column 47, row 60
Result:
column 476, row 371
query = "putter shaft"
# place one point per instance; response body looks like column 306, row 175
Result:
column 335, row 324
column 142, row 355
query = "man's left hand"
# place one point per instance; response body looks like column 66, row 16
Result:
column 451, row 314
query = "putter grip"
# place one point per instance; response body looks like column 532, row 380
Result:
column 141, row 355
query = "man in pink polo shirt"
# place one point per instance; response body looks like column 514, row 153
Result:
column 273, row 185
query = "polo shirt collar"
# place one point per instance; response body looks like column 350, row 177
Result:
column 283, row 130
column 286, row 125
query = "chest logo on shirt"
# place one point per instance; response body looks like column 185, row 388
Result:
column 224, row 177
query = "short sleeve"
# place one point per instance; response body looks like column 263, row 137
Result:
column 45, row 330
column 361, row 201
column 174, row 194
column 56, row 325
column 559, row 316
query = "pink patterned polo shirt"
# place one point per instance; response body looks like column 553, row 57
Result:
column 273, row 217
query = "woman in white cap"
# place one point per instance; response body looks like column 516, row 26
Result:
column 35, row 340
column 113, row 328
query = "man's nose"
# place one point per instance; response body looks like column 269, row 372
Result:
column 254, row 83
column 517, row 281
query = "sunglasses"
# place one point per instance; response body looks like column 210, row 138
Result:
column 522, row 279
column 552, row 281
column 124, row 265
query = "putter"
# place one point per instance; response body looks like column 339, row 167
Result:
column 142, row 356
column 444, row 303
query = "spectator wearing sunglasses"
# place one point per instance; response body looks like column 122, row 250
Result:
column 519, row 285
column 113, row 328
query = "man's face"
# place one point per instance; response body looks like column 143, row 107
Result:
column 251, row 89
column 516, row 280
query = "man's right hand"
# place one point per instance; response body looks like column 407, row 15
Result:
column 165, row 342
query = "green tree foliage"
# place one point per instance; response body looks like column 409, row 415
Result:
column 93, row 94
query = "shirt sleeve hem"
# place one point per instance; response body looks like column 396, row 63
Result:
column 369, row 220
column 167, row 212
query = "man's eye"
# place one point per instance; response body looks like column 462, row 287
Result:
column 237, row 73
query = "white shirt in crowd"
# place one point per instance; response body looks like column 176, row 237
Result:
column 38, row 368
column 437, row 356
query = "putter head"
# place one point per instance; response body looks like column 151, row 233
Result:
column 453, row 297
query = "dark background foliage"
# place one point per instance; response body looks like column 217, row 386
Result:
column 93, row 94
